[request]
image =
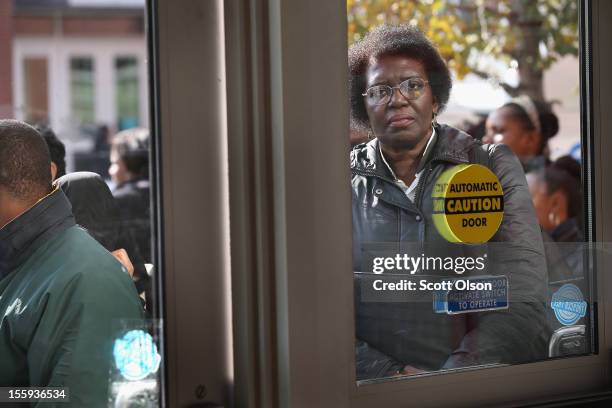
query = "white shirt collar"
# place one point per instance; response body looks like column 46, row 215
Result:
column 425, row 153
column 410, row 190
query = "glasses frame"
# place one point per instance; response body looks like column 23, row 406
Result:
column 393, row 88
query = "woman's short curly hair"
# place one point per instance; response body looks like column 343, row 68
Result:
column 404, row 40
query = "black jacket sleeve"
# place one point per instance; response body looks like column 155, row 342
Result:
column 516, row 251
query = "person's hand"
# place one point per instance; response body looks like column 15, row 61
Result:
column 122, row 256
column 410, row 370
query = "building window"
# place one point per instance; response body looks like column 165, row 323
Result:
column 82, row 92
column 127, row 92
column 36, row 89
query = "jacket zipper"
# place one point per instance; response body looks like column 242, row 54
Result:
column 418, row 201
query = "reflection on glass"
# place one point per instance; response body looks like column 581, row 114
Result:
column 460, row 259
column 82, row 89
column 135, row 376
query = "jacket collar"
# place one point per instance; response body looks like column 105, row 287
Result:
column 22, row 236
column 450, row 145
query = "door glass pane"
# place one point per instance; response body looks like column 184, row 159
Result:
column 470, row 240
column 73, row 71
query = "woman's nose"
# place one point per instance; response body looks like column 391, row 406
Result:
column 397, row 98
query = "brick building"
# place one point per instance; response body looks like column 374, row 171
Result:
column 73, row 63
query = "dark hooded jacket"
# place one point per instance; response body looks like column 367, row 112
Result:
column 96, row 210
column 94, row 207
column 393, row 334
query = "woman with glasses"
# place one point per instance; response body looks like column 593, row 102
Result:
column 398, row 85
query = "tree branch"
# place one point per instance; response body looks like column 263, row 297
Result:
column 511, row 90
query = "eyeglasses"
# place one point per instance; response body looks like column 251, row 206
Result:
column 411, row 89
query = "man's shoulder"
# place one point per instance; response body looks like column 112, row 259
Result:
column 76, row 238
column 75, row 254
column 87, row 272
column 73, row 272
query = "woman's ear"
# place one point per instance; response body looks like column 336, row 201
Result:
column 532, row 142
column 558, row 206
column 434, row 116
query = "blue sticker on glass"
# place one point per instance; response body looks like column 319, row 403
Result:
column 476, row 294
column 440, row 304
column 568, row 304
column 136, row 355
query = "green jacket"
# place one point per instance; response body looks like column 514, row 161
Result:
column 64, row 300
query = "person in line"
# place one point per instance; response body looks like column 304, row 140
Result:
column 556, row 191
column 95, row 209
column 525, row 126
column 129, row 170
column 398, row 85
column 57, row 149
column 63, row 297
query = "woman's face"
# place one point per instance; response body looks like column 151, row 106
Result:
column 504, row 127
column 400, row 123
column 541, row 201
column 551, row 209
column 118, row 170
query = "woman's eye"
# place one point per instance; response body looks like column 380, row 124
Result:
column 377, row 92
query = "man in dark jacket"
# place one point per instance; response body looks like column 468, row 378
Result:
column 63, row 297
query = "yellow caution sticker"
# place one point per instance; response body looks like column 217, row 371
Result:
column 468, row 204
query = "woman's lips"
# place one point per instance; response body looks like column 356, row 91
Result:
column 400, row 121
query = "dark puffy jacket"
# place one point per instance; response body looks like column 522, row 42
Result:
column 391, row 335
column 96, row 210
